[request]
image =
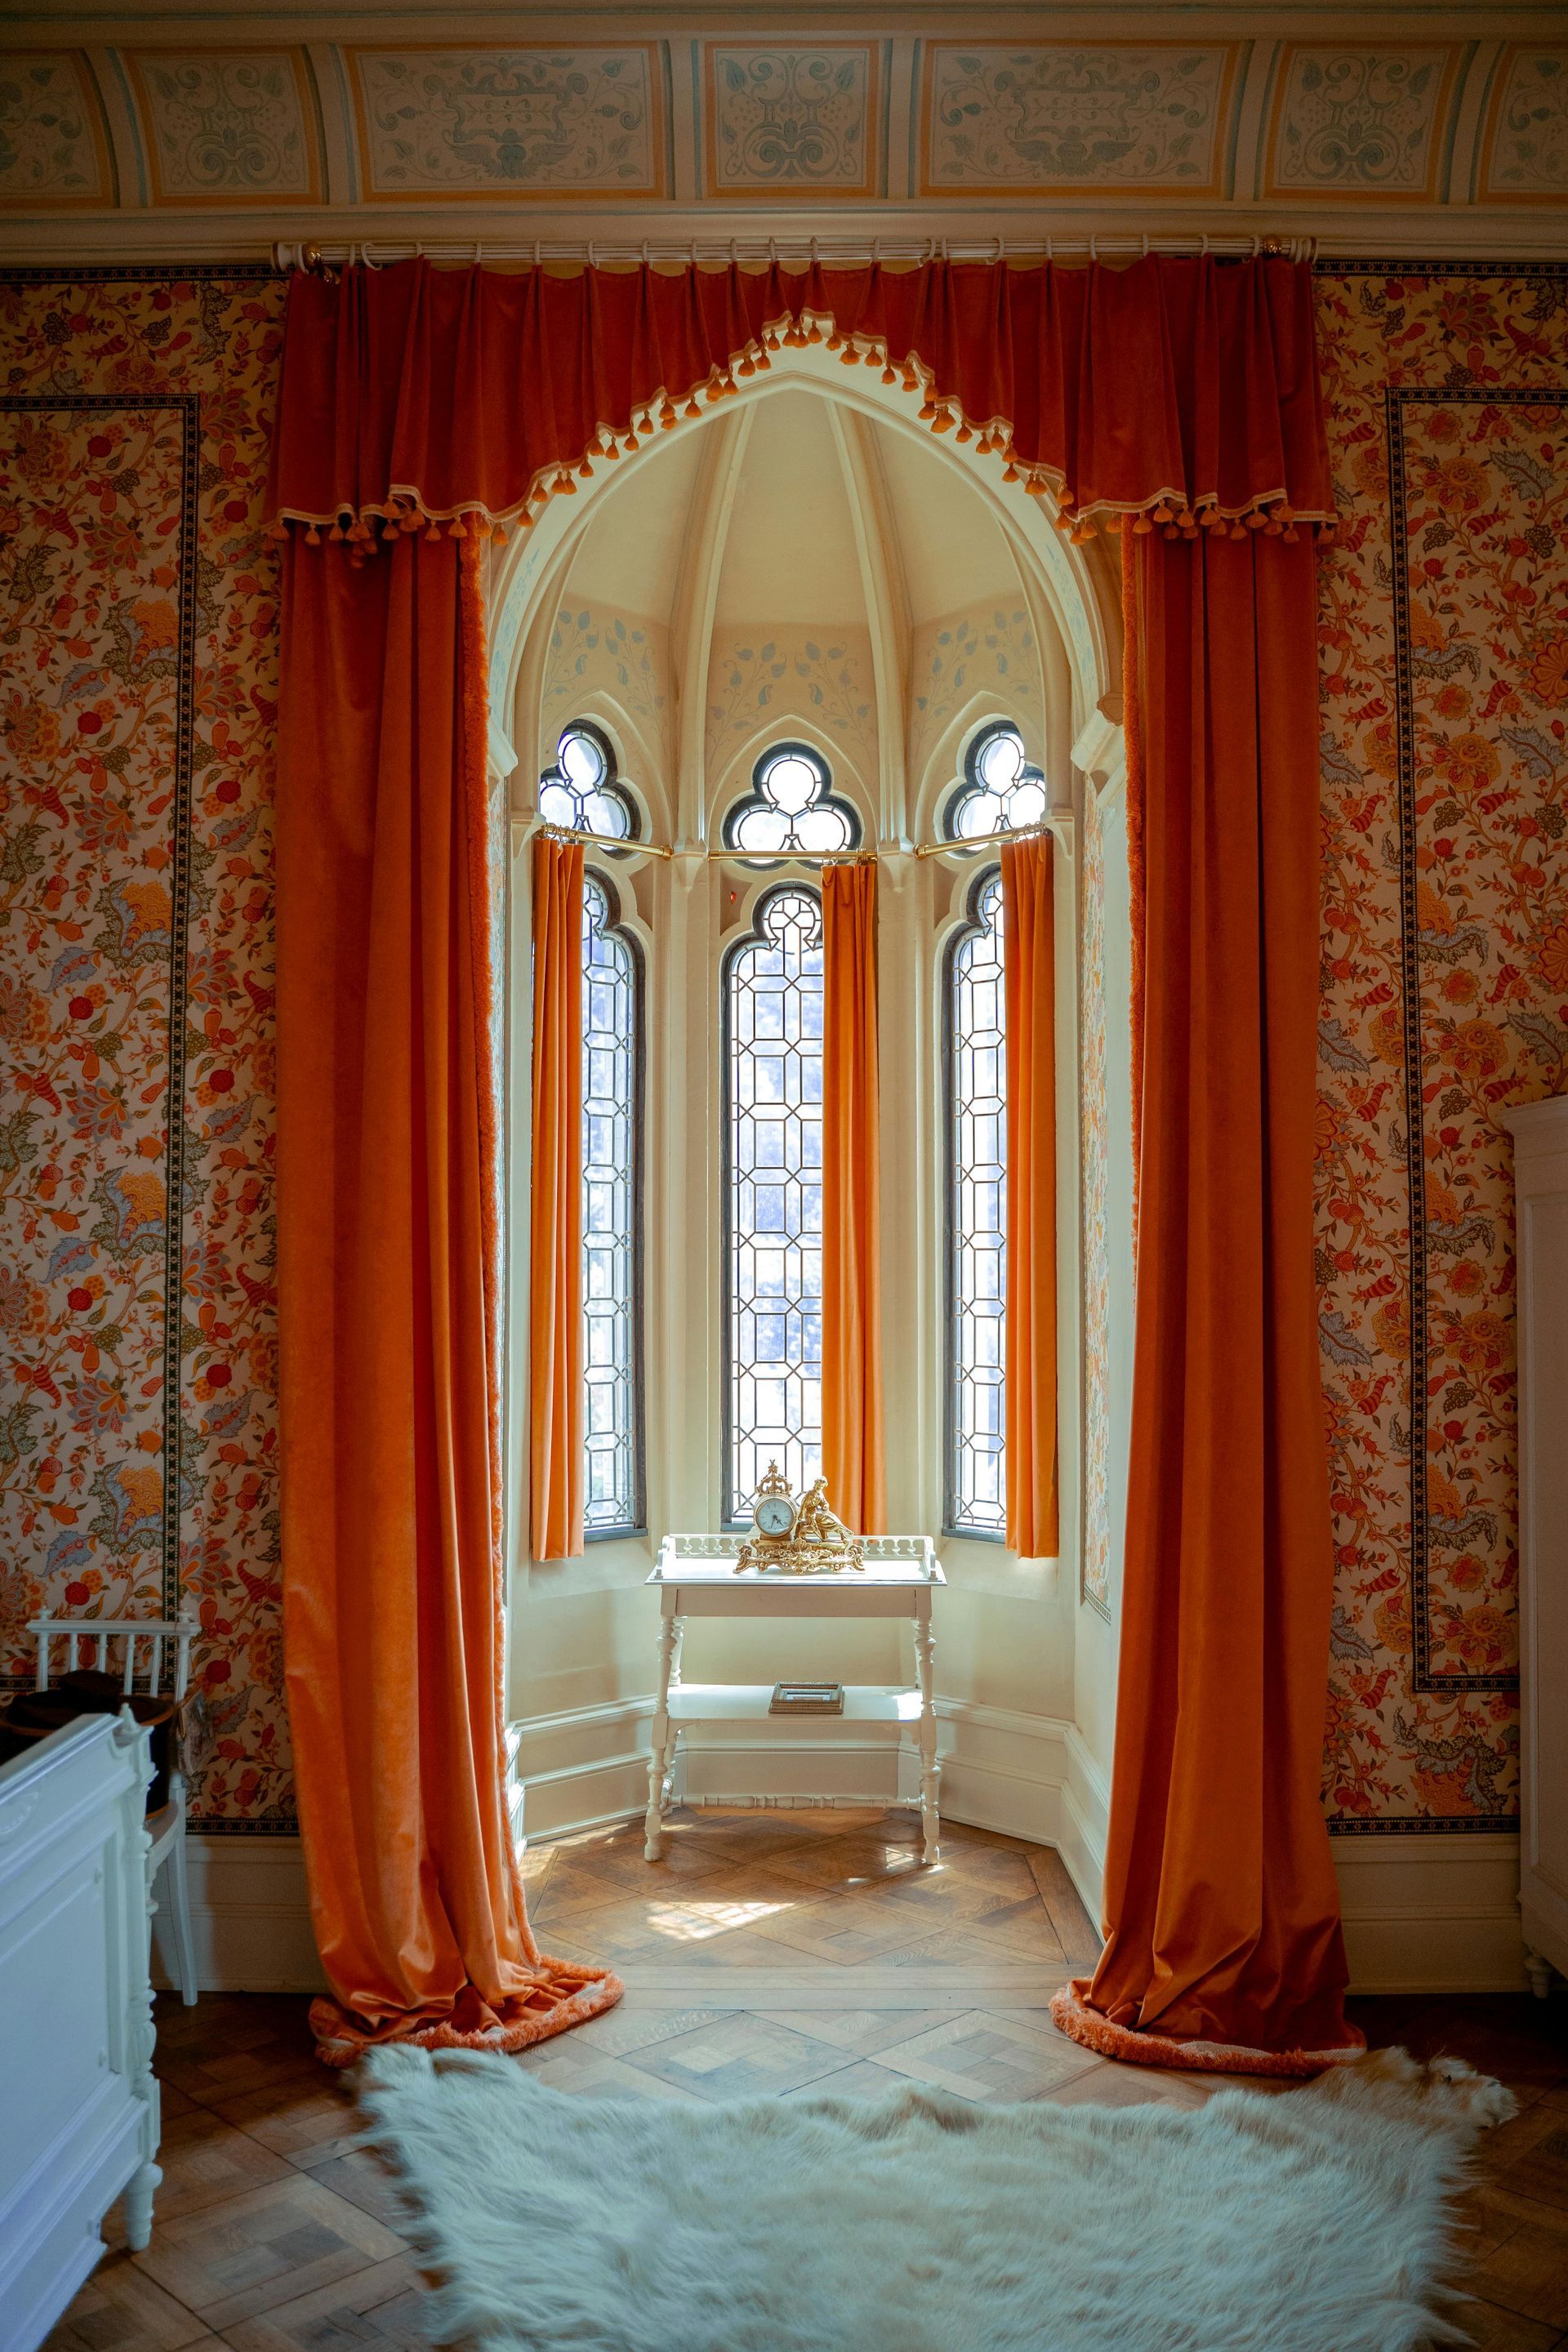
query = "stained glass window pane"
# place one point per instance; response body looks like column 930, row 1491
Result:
column 1000, row 792
column 772, row 1272
column 580, row 793
column 611, row 1370
column 792, row 805
column 978, row 1215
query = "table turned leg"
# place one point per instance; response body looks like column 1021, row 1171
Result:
column 925, row 1656
column 663, row 1741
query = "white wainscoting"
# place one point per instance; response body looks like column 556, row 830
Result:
column 1431, row 1914
column 1421, row 1914
column 250, row 1918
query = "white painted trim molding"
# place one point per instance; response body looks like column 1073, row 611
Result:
column 250, row 1918
column 1431, row 1914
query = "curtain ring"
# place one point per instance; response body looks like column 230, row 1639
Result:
column 1145, row 244
column 644, row 253
column 773, row 253
column 1094, row 249
column 1204, row 249
column 536, row 253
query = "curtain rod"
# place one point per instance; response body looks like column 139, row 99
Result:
column 723, row 856
column 801, row 251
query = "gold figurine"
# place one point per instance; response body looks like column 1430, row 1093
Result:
column 803, row 1538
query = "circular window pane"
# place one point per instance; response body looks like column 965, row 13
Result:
column 606, row 812
column 791, row 783
column 1000, row 762
column 823, row 829
column 557, row 805
column 763, row 828
column 582, row 761
column 1027, row 805
column 978, row 814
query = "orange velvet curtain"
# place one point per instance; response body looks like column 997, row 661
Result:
column 388, row 1314
column 852, row 1459
column 1028, row 936
column 557, row 1463
column 1220, row 1898
column 420, row 408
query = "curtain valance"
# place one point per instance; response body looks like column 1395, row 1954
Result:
column 1183, row 392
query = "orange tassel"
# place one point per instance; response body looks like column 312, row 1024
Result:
column 814, row 334
column 890, row 375
column 1012, row 473
column 455, row 529
column 692, row 406
column 963, row 433
column 313, row 535
column 836, row 340
column 849, row 356
column 1141, row 526
column 337, row 534
column 584, row 470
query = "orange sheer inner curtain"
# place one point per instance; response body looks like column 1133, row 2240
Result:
column 851, row 1202
column 1028, row 934
column 558, row 1470
column 421, row 406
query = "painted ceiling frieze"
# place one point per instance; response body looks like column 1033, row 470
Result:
column 454, row 123
column 1369, row 120
column 1524, row 154
column 802, row 120
column 1117, row 118
column 227, row 126
column 52, row 149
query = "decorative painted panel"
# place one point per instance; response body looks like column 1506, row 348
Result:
column 469, row 123
column 1524, row 154
column 801, row 120
column 137, row 1425
column 52, row 148
column 227, row 126
column 1444, row 627
column 1117, row 118
column 1367, row 120
column 759, row 678
column 596, row 649
column 986, row 650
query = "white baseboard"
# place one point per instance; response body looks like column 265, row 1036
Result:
column 1422, row 1915
column 250, row 1918
column 1431, row 1914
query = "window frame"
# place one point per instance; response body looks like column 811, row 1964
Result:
column 791, row 747
column 753, row 935
column 638, row 1527
column 611, row 784
column 969, row 927
column 970, row 785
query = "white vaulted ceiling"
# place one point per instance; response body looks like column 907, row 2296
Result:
column 796, row 568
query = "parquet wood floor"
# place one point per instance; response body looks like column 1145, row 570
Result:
column 774, row 1953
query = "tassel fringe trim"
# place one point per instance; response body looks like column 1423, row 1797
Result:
column 1071, row 2015
column 1169, row 509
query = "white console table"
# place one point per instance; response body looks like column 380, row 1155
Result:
column 696, row 1577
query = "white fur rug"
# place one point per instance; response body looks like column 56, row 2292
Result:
column 1315, row 2220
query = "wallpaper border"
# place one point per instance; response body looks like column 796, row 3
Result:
column 1396, row 399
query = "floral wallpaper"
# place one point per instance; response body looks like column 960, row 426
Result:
column 138, row 603
column 1444, row 623
column 137, row 702
column 756, row 676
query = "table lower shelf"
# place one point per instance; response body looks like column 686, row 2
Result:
column 752, row 1703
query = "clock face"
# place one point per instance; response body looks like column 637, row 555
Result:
column 774, row 1515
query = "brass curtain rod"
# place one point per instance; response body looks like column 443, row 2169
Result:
column 793, row 251
column 724, row 855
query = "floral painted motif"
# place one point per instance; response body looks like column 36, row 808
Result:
column 1119, row 117
column 797, row 119
column 756, row 682
column 140, row 604
column 989, row 650
column 1445, row 683
column 1369, row 119
column 476, row 122
column 595, row 650
column 51, row 143
column 226, row 124
column 1524, row 154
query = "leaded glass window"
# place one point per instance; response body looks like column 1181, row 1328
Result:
column 977, row 1217
column 612, row 1269
column 773, row 1255
column 792, row 805
column 1000, row 792
column 579, row 793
